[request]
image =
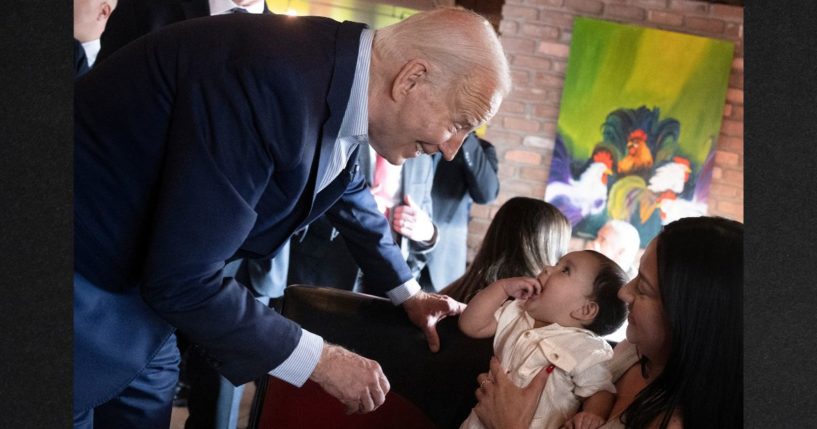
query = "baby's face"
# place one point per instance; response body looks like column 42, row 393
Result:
column 565, row 288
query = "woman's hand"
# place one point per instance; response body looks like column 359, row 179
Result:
column 503, row 405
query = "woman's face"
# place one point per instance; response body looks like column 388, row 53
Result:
column 647, row 327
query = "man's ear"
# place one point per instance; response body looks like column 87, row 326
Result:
column 105, row 11
column 408, row 78
column 587, row 312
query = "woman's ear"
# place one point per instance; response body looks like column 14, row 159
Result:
column 408, row 77
column 587, row 312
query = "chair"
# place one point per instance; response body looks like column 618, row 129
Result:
column 428, row 390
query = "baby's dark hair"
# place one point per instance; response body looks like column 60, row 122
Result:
column 612, row 311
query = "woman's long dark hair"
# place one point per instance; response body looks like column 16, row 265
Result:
column 525, row 234
column 700, row 277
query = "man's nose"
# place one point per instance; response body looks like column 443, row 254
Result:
column 450, row 147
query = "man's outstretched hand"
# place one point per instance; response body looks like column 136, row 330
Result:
column 357, row 382
column 426, row 309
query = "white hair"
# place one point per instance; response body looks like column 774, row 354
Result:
column 464, row 52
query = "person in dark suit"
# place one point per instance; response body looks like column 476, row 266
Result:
column 407, row 205
column 470, row 177
column 90, row 19
column 214, row 126
column 212, row 401
column 135, row 18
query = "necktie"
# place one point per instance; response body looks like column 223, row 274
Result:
column 238, row 10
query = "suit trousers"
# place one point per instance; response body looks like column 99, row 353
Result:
column 144, row 403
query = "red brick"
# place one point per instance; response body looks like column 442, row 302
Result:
column 561, row 20
column 506, row 172
column 720, row 190
column 559, row 67
column 541, row 79
column 535, row 63
column 737, row 113
column 537, row 142
column 520, row 77
column 545, row 111
column 480, row 211
column 537, row 174
column 631, row 13
column 708, row 25
column 658, row 4
column 737, row 63
column 734, row 31
column 523, row 157
column 732, row 128
column 549, row 127
column 553, row 49
column 734, row 95
column 726, row 158
column 553, row 3
column 688, row 6
column 540, row 32
column 525, row 187
column 521, row 124
column 731, row 144
column 566, row 37
column 734, row 177
column 665, row 18
column 508, row 27
column 534, row 94
column 504, row 138
column 477, row 227
column 516, row 45
column 727, row 11
column 727, row 111
column 509, row 106
column 717, row 173
column 736, row 80
column 523, row 12
column 593, row 7
column 731, row 210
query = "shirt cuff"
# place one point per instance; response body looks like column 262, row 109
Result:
column 297, row 368
column 403, row 292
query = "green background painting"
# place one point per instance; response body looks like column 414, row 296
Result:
column 614, row 66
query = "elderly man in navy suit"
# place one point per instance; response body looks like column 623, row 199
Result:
column 214, row 150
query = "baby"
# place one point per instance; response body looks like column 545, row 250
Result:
column 555, row 320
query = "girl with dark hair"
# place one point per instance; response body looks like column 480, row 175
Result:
column 525, row 235
column 682, row 363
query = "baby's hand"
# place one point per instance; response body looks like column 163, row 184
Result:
column 584, row 420
column 521, row 287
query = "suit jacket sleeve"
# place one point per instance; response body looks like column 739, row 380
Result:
column 368, row 237
column 480, row 166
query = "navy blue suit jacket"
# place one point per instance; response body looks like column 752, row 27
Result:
column 208, row 152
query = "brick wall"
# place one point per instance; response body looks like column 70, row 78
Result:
column 536, row 36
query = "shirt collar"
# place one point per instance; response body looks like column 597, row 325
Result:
column 218, row 7
column 355, row 122
column 91, row 49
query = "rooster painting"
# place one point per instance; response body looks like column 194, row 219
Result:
column 582, row 196
column 636, row 174
column 639, row 117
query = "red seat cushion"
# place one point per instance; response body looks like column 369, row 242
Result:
column 310, row 407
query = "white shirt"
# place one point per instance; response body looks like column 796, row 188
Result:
column 220, row 7
column 354, row 127
column 579, row 355
column 91, row 49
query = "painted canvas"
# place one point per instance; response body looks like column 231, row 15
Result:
column 638, row 125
